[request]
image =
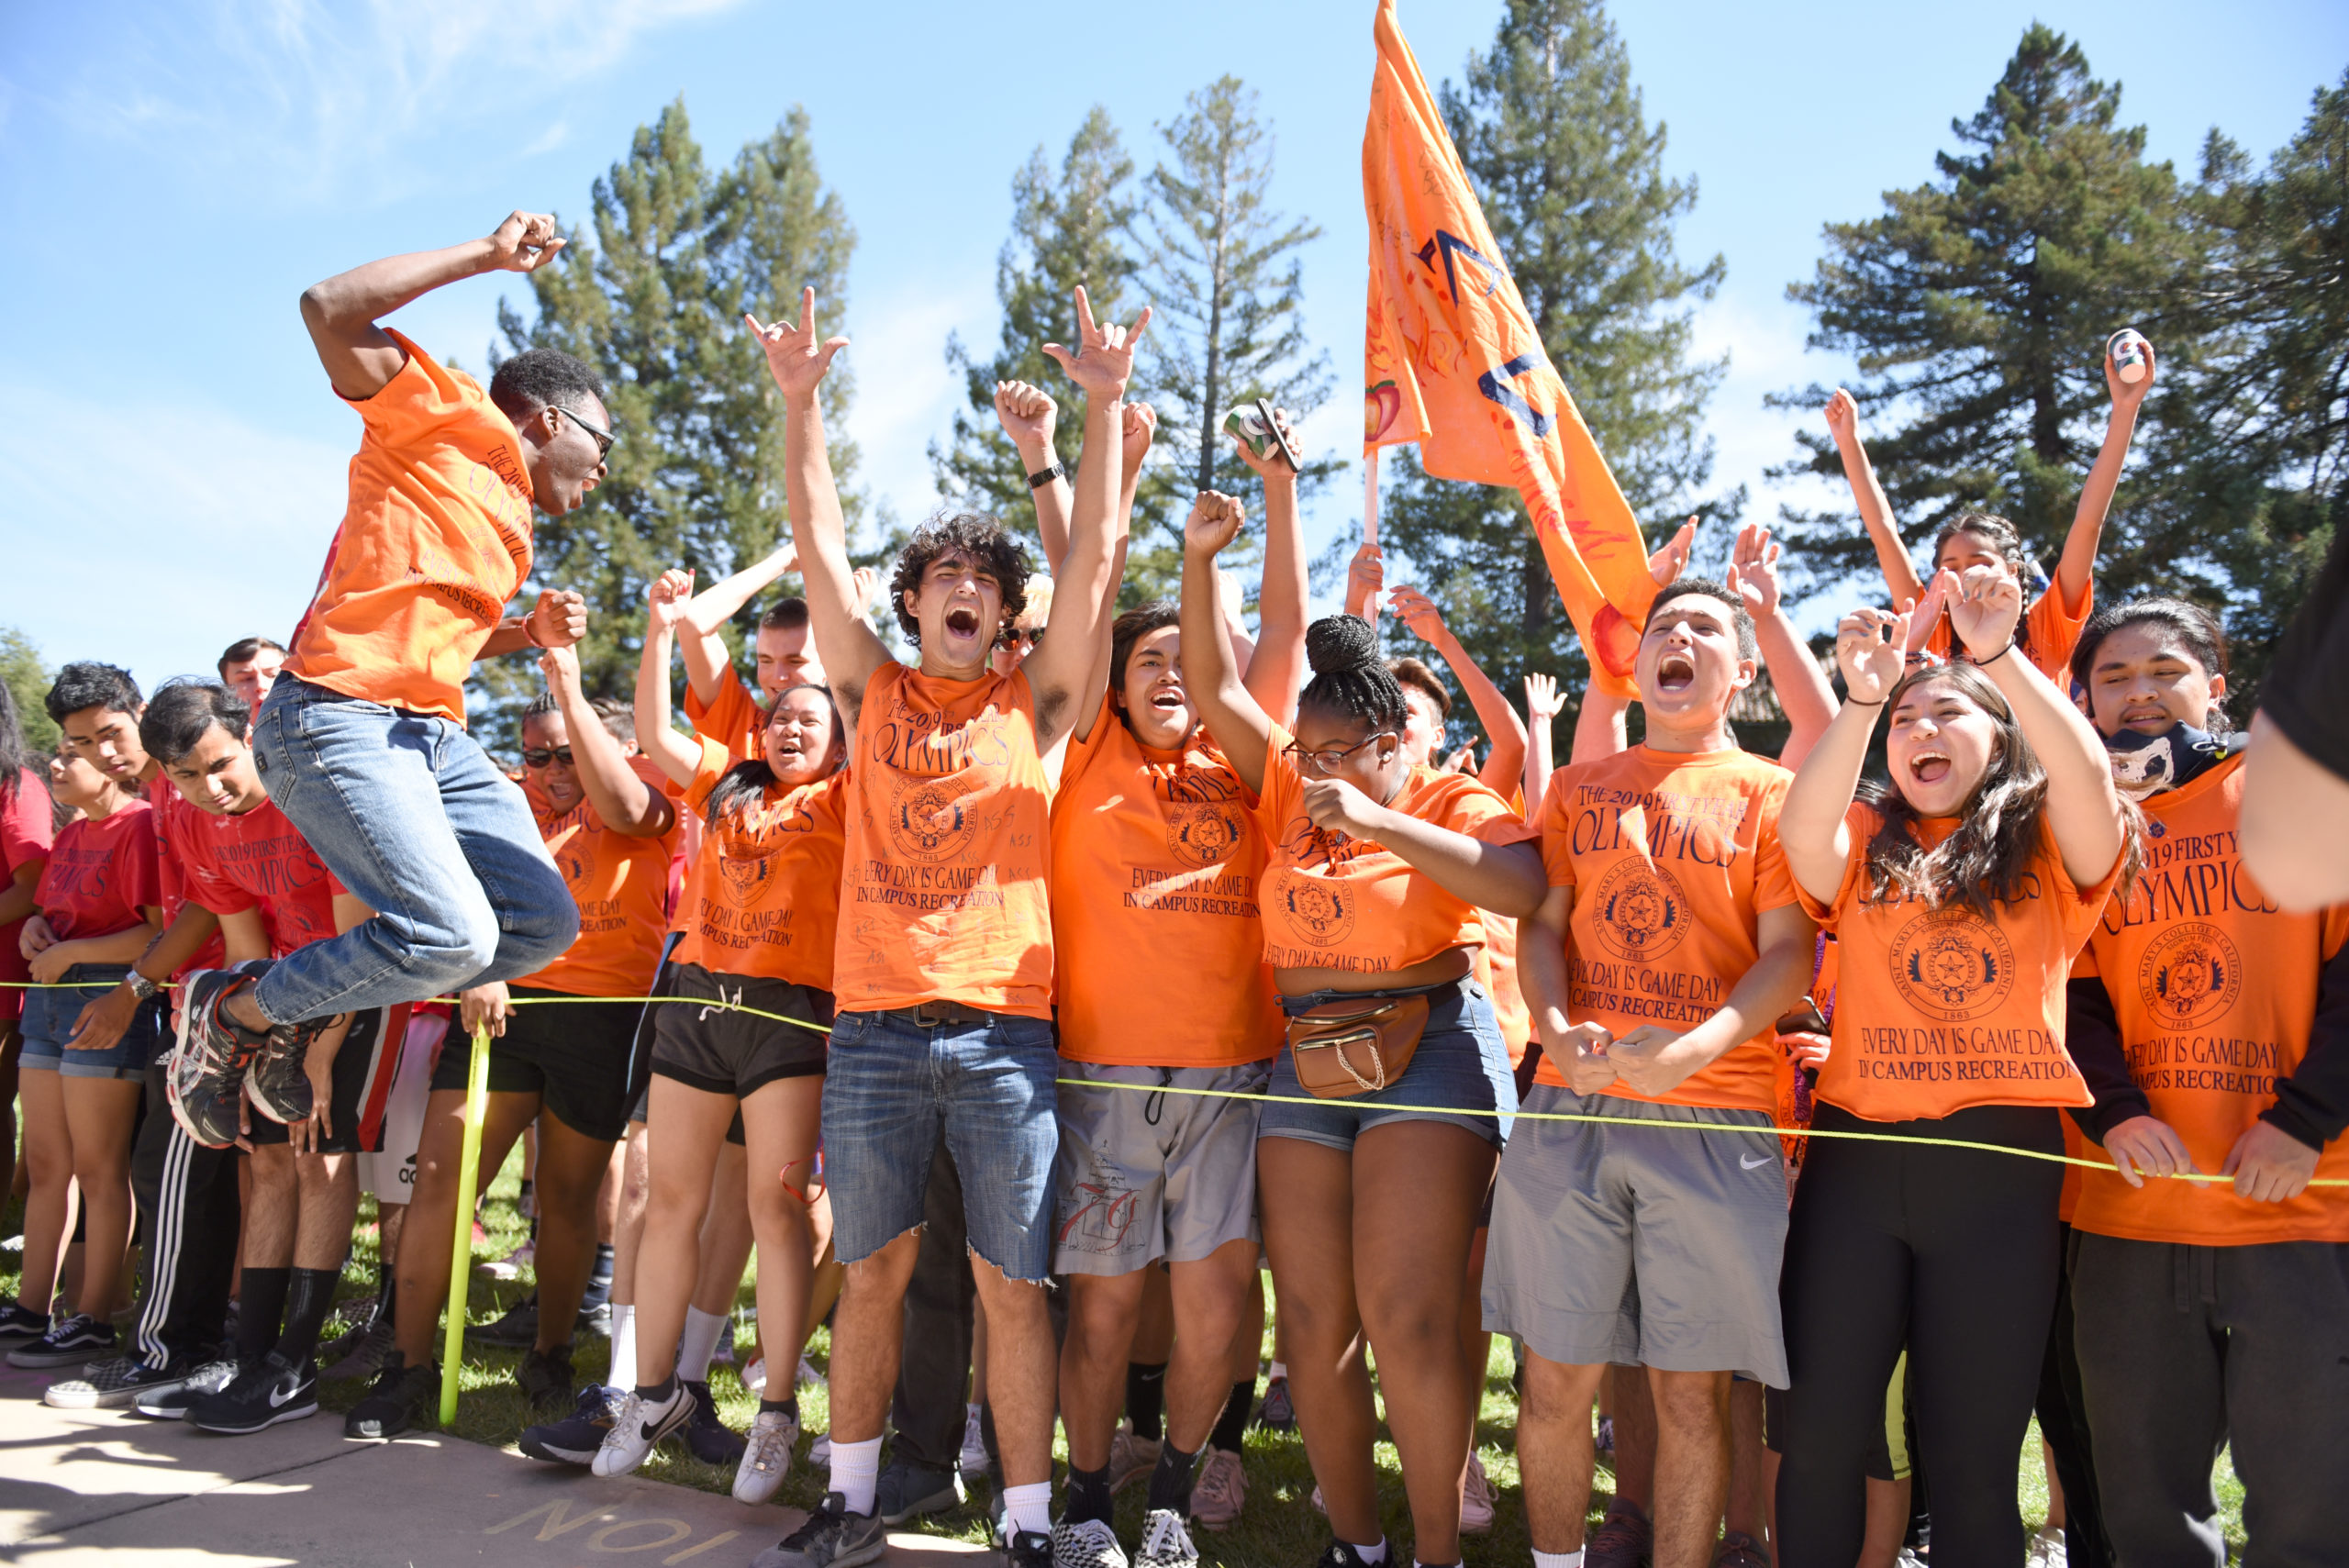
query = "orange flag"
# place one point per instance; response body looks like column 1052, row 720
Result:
column 1452, row 362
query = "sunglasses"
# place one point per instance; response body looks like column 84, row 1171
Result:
column 1329, row 759
column 532, row 758
column 604, row 439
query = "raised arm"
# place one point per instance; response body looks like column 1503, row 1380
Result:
column 1803, row 692
column 1365, row 575
column 2075, row 570
column 851, row 650
column 1210, row 674
column 1502, row 725
column 1029, row 417
column 1276, row 665
column 629, row 805
column 2083, row 806
column 1084, row 591
column 656, row 733
column 698, row 631
column 1602, row 727
column 1141, row 426
column 1875, row 510
column 1818, row 841
column 342, row 313
column 1543, row 705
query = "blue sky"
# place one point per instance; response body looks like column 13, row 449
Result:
column 172, row 174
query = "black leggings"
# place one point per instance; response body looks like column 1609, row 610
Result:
column 1954, row 1252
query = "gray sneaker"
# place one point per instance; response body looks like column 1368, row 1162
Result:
column 831, row 1537
column 907, row 1491
column 171, row 1402
column 109, row 1384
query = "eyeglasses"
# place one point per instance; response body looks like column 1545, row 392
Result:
column 532, row 758
column 604, row 439
column 1329, row 759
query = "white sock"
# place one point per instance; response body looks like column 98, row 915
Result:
column 698, row 1344
column 623, row 1373
column 1280, row 1369
column 1027, row 1509
column 1557, row 1560
column 969, row 1412
column 856, row 1471
column 1372, row 1553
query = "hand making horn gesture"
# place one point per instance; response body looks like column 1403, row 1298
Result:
column 795, row 357
column 1104, row 359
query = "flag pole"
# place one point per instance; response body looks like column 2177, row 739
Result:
column 460, row 1261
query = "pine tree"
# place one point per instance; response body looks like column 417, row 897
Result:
column 1978, row 305
column 1550, row 130
column 1067, row 229
column 28, row 679
column 1225, row 280
column 654, row 300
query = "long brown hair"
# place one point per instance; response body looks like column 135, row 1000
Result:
column 1986, row 861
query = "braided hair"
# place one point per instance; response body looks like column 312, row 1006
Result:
column 1350, row 680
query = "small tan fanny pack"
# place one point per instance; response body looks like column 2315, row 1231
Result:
column 1347, row 1048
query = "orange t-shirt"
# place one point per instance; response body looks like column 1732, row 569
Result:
column 764, row 896
column 2054, row 630
column 1496, row 970
column 1937, row 1010
column 2215, row 989
column 1333, row 901
column 733, row 719
column 1158, row 853
column 944, row 896
column 621, row 885
column 1672, row 858
column 435, row 539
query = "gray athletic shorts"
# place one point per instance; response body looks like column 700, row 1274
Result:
column 1654, row 1248
column 1145, row 1176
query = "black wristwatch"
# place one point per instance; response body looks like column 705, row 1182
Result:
column 1044, row 477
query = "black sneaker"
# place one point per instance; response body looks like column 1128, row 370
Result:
column 360, row 1354
column 545, row 1377
column 517, row 1330
column 110, row 1384
column 1342, row 1554
column 1278, row 1412
column 907, row 1491
column 277, row 1390
column 403, row 1396
column 708, row 1438
column 204, row 1078
column 277, row 1083
column 19, row 1325
column 576, row 1438
column 1029, row 1549
column 171, row 1402
column 834, row 1538
column 69, row 1343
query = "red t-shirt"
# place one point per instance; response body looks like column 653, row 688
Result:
column 256, row 860
column 24, row 840
column 101, row 876
column 172, row 806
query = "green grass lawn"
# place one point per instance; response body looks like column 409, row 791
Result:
column 1279, row 1527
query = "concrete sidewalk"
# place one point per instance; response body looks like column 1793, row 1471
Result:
column 85, row 1487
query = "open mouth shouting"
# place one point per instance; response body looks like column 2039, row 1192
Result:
column 963, row 620
column 1929, row 766
column 1674, row 672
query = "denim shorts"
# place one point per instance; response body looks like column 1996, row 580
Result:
column 49, row 1019
column 891, row 1088
column 1461, row 1066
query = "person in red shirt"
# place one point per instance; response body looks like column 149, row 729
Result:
column 97, row 907
column 2213, row 1029
column 26, row 835
column 943, row 970
column 361, row 739
column 1958, row 895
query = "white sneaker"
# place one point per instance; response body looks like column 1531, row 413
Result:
column 1476, row 1498
column 1090, row 1544
column 2046, row 1549
column 809, row 1375
column 754, row 1376
column 766, row 1459
column 638, row 1428
column 1164, row 1543
column 820, row 1451
column 974, row 1457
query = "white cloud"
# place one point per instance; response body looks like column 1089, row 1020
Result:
column 155, row 535
column 312, row 90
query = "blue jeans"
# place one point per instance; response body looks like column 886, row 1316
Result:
column 1461, row 1068
column 415, row 820
column 891, row 1087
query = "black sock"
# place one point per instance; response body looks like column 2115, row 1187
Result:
column 387, row 1301
column 1088, row 1497
column 1231, row 1430
column 781, row 1407
column 307, row 1303
column 658, row 1393
column 1146, row 1398
column 261, row 1311
column 599, row 1279
column 1169, row 1483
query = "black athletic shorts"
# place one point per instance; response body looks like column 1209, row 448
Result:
column 362, row 1086
column 574, row 1057
column 723, row 1051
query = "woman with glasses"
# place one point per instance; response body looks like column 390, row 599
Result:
column 1378, row 870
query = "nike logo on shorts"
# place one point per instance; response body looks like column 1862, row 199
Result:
column 1754, row 1164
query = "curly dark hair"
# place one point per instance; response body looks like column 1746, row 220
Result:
column 980, row 537
column 1350, row 679
column 542, row 378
